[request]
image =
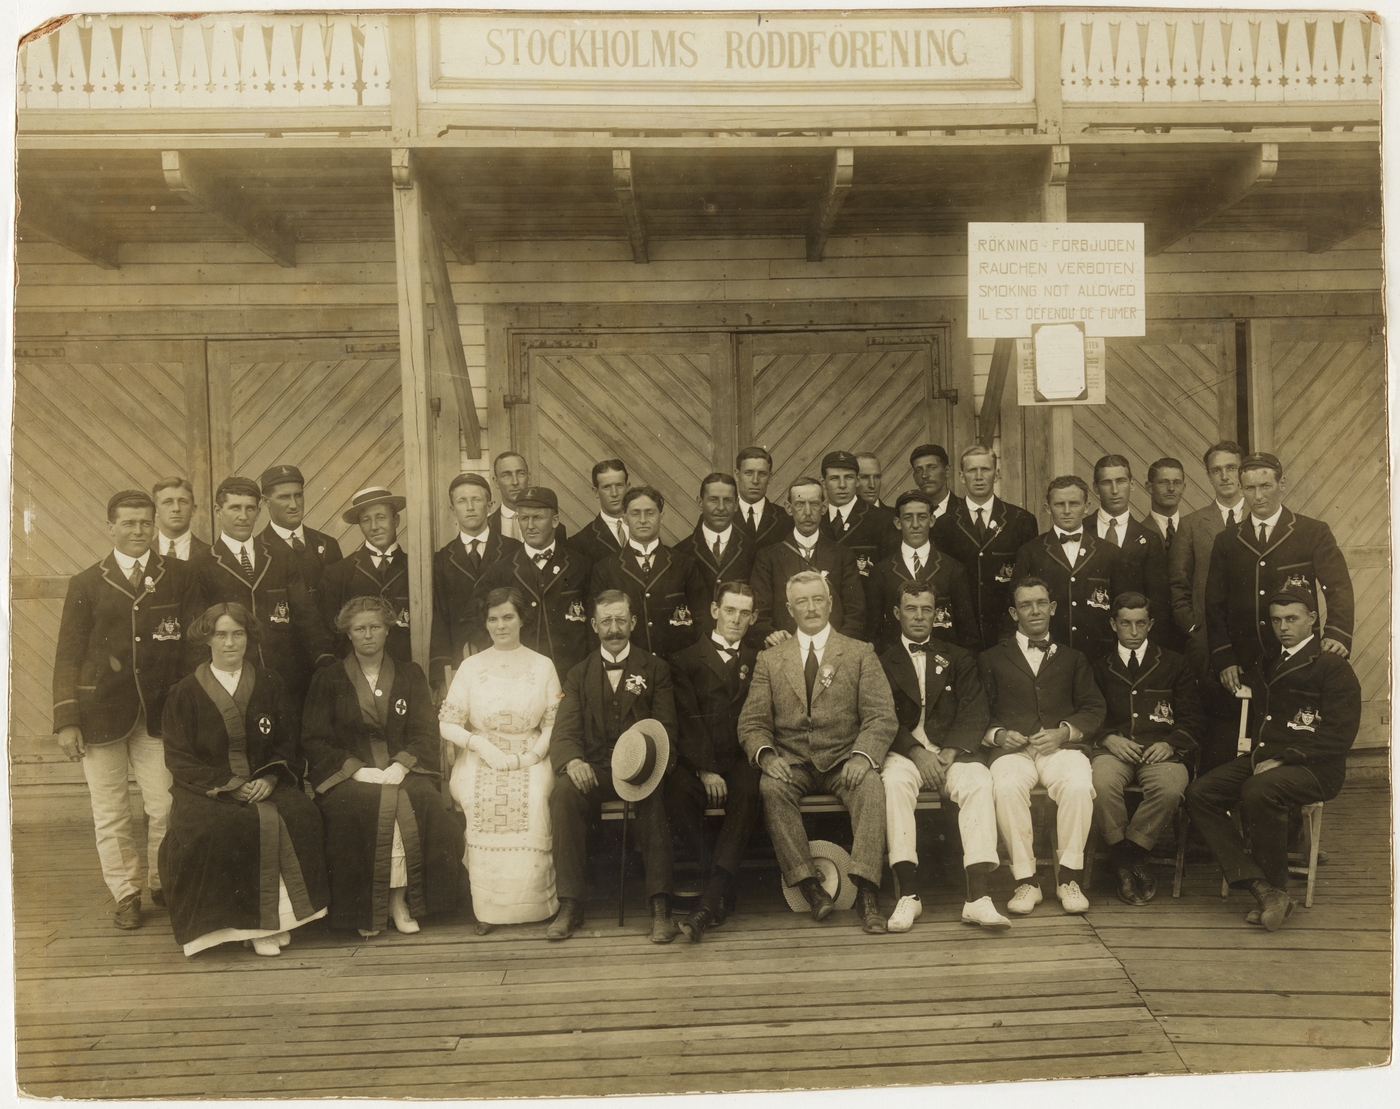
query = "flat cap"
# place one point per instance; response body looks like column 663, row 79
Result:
column 1261, row 458
column 537, row 496
column 237, row 487
column 911, row 495
column 840, row 460
column 928, row 450
column 468, row 479
column 1295, row 595
column 280, row 475
column 131, row 496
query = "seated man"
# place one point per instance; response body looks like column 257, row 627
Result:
column 711, row 682
column 1043, row 704
column 1307, row 709
column 942, row 713
column 1154, row 722
column 819, row 718
column 604, row 695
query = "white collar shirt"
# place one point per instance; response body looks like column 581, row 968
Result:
column 1034, row 655
column 908, row 553
column 468, row 540
column 724, row 644
column 1071, row 549
column 644, row 549
column 807, row 544
column 182, row 545
column 227, row 680
column 973, row 508
column 1289, row 652
column 1269, row 525
column 1226, row 509
column 379, row 556
column 721, row 537
column 942, row 506
column 844, row 512
column 298, row 532
column 753, row 513
column 1123, row 653
column 617, row 525
column 126, row 562
column 615, row 676
column 237, row 548
column 807, row 642
column 1162, row 521
column 534, row 553
column 1107, row 522
column 508, row 525
column 920, row 661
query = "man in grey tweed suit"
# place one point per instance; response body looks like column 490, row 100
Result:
column 819, row 719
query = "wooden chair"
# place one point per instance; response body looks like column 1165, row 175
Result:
column 1181, row 824
column 1312, row 830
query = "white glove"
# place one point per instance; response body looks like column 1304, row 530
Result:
column 369, row 775
column 395, row 774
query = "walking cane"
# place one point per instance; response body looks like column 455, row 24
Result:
column 1242, row 741
column 622, row 870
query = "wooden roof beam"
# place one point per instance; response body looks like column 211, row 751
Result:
column 41, row 213
column 1222, row 192
column 626, row 191
column 828, row 203
column 453, row 228
column 997, row 382
column 269, row 233
column 1334, row 227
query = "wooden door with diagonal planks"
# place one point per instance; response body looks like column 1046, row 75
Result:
column 819, row 391
column 1329, row 431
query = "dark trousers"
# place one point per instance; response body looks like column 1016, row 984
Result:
column 743, row 809
column 570, row 812
column 1263, row 801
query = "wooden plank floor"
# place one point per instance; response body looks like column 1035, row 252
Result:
column 770, row 1001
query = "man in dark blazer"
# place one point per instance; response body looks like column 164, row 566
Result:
column 268, row 582
column 1166, row 483
column 917, row 558
column 711, row 681
column 1188, row 565
column 869, row 479
column 985, row 534
column 1273, row 549
column 765, row 522
column 512, row 474
column 606, row 534
column 655, row 578
column 1083, row 573
column 930, row 465
column 805, row 548
column 175, row 505
column 861, row 528
column 604, row 695
column 457, row 571
column 718, row 549
column 552, row 578
column 1153, row 726
column 819, row 719
column 121, row 646
column 377, row 568
column 1044, row 709
column 942, row 713
column 1142, row 558
column 1306, row 711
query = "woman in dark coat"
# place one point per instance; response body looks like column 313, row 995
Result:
column 243, row 856
column 370, row 734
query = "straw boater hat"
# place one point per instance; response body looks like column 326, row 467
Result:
column 375, row 494
column 639, row 759
column 832, row 865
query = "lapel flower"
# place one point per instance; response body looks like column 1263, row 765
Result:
column 150, row 586
column 744, row 672
column 1050, row 653
column 556, row 569
column 827, row 673
column 1142, row 540
column 321, row 549
column 636, row 684
column 993, row 525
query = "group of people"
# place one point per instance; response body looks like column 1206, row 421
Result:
column 287, row 748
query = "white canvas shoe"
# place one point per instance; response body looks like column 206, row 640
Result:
column 1071, row 899
column 1026, row 898
column 266, row 946
column 983, row 912
column 907, row 910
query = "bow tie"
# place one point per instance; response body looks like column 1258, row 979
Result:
column 1039, row 644
column 614, row 665
column 915, row 648
column 1072, row 537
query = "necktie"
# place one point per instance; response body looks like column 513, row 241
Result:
column 245, row 562
column 809, row 672
column 725, row 653
column 1072, row 537
column 1263, row 538
column 621, row 535
column 135, row 578
column 1231, row 521
column 474, row 555
column 918, row 566
column 751, row 524
column 838, row 525
column 1040, row 644
column 1171, row 532
column 1113, row 534
column 1134, row 667
column 807, row 552
column 476, row 548
column 646, row 564
column 297, row 544
column 170, row 548
column 982, row 522
column 918, row 648
column 719, row 548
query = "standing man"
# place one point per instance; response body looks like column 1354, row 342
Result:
column 1153, row 725
column 985, row 534
column 121, row 646
column 284, row 494
column 655, row 578
column 379, row 568
column 458, row 570
column 254, row 573
column 1142, row 558
column 553, row 580
column 1307, row 710
column 867, row 532
column 1083, row 573
column 512, row 475
column 607, row 534
column 174, row 497
column 1166, row 482
column 765, row 521
column 930, row 465
column 719, row 550
column 1188, row 564
column 917, row 559
column 1044, row 707
column 868, row 479
column 806, row 548
column 819, row 719
column 942, row 713
column 711, row 681
column 1274, row 549
column 607, row 693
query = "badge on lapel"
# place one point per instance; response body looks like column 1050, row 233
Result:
column 1142, row 540
column 402, row 621
column 265, row 724
column 150, row 586
column 636, row 684
column 1098, row 599
column 827, row 673
column 744, row 672
column 1162, row 714
column 940, row 664
column 863, row 564
column 681, row 617
column 993, row 525
column 401, row 706
column 281, row 614
column 1297, row 581
column 1006, row 572
column 942, row 616
column 320, row 548
column 1306, row 719
column 167, row 630
column 575, row 612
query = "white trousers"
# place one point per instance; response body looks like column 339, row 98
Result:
column 968, row 785
column 1068, row 780
column 108, row 768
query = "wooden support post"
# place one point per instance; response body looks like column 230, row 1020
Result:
column 1254, row 167
column 1037, row 445
column 417, row 536
column 1259, row 344
column 42, row 213
column 1053, row 199
column 626, row 192
column 1062, row 439
column 1049, row 96
column 828, row 203
column 1013, row 468
column 445, row 314
column 998, row 380
column 269, row 233
column 199, row 428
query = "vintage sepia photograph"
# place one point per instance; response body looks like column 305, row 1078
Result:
column 570, row 553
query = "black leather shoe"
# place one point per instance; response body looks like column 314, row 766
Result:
column 872, row 921
column 1254, row 916
column 818, row 898
column 697, row 922
column 128, row 914
column 725, row 909
column 663, row 929
column 1145, row 879
column 158, row 898
column 569, row 917
column 1128, row 892
column 1275, row 906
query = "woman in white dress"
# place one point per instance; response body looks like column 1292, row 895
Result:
column 500, row 711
